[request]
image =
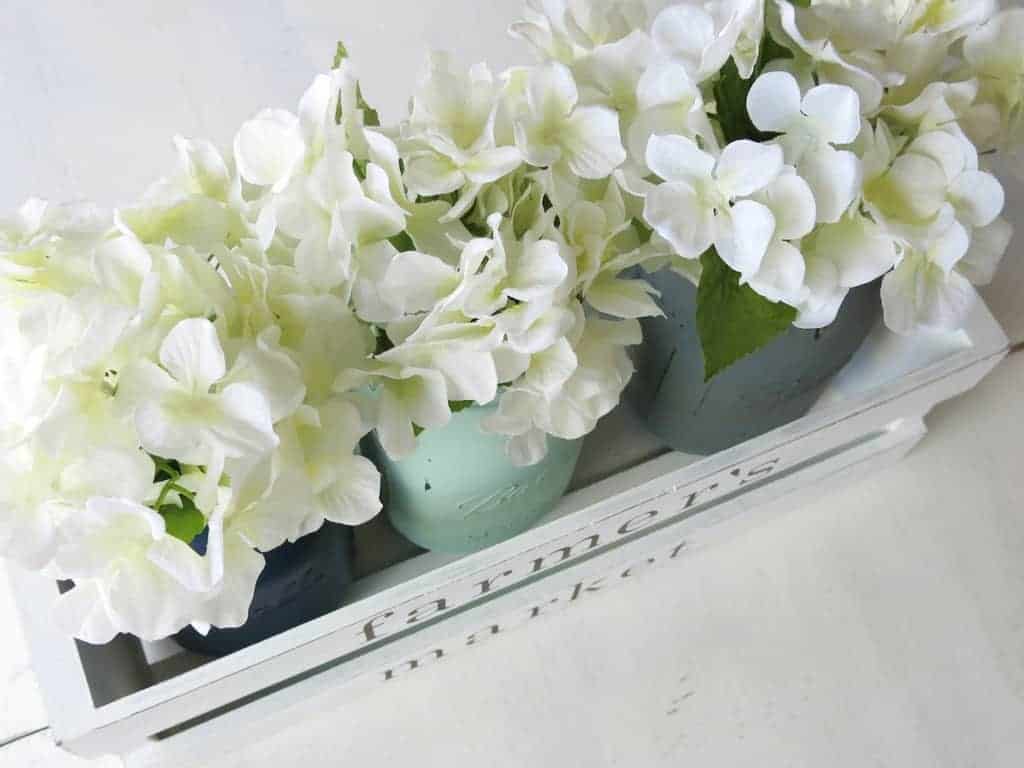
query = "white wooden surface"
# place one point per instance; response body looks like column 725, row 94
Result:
column 882, row 625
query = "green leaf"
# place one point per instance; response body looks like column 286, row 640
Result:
column 455, row 406
column 384, row 343
column 732, row 319
column 527, row 209
column 731, row 104
column 183, row 522
column 403, row 242
column 643, row 232
column 166, row 469
column 371, row 118
column 801, row 3
column 731, row 92
column 340, row 54
column 771, row 51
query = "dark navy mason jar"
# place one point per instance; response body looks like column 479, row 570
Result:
column 301, row 581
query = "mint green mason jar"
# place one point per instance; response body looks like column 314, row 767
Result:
column 459, row 493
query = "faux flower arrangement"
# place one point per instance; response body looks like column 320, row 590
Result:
column 208, row 359
column 787, row 151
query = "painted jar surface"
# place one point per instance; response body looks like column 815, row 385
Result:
column 459, row 492
column 772, row 387
column 301, row 581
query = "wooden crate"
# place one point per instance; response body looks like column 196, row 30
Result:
column 636, row 506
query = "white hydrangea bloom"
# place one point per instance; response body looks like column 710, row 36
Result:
column 178, row 412
column 39, row 492
column 567, row 389
column 838, row 257
column 408, row 398
column 315, row 477
column 994, row 53
column 668, row 102
column 812, row 126
column 926, row 291
column 552, row 129
column 704, row 35
column 933, row 180
column 705, row 201
column 450, row 137
column 46, row 248
column 130, row 575
column 207, row 358
column 269, row 149
column 567, row 30
column 333, row 215
column 812, row 34
column 603, row 236
column 781, row 274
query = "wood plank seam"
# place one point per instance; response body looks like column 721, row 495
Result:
column 22, row 736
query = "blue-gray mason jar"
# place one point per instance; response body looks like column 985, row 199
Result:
column 768, row 389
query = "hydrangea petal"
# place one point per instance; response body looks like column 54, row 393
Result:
column 744, row 235
column 677, row 158
column 988, row 246
column 835, row 112
column 246, row 427
column 949, row 247
column 666, row 82
column 623, row 298
column 354, row 498
column 978, row 197
column 429, row 174
column 269, row 148
column 781, row 275
column 774, row 102
column 192, row 354
column 489, row 165
column 416, row 281
column 835, row 178
column 919, row 295
column 684, row 31
column 860, row 250
column 538, row 271
column 82, row 613
column 791, row 201
column 592, row 142
column 746, row 167
column 674, row 212
column 228, row 607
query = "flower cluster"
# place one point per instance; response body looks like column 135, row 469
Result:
column 812, row 146
column 188, row 377
column 169, row 372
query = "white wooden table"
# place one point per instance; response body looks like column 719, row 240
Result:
column 881, row 625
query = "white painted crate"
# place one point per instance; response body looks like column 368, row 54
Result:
column 635, row 506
